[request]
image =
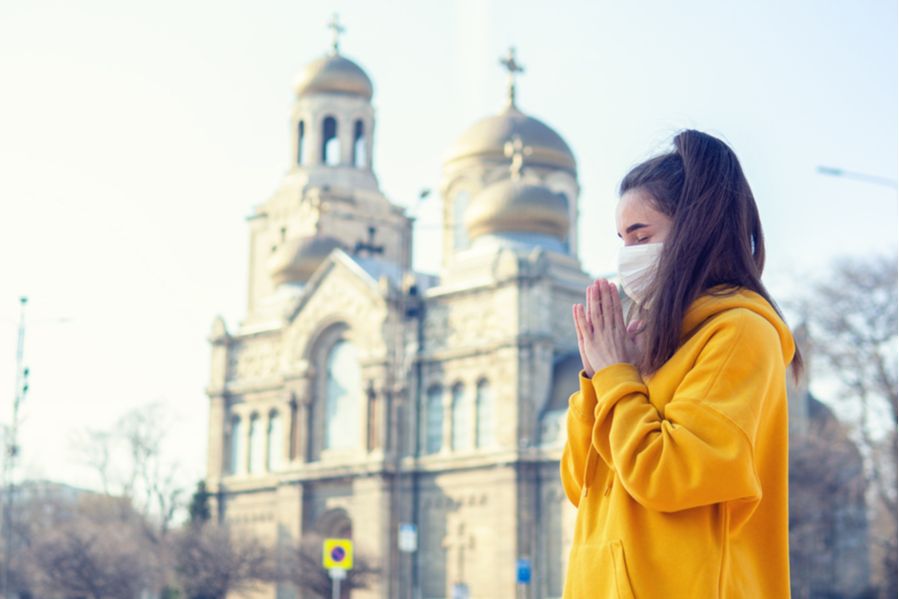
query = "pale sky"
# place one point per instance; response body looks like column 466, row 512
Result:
column 135, row 137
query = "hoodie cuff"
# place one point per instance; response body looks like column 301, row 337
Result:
column 584, row 403
column 613, row 376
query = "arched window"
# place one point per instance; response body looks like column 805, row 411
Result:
column 342, row 397
column 460, row 235
column 484, row 409
column 301, row 141
column 461, row 420
column 275, row 449
column 257, row 445
column 359, row 157
column 237, row 449
column 434, row 421
column 330, row 142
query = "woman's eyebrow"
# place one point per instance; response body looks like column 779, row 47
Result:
column 633, row 228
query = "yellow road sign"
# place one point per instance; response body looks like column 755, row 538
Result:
column 337, row 553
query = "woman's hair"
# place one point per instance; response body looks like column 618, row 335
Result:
column 716, row 236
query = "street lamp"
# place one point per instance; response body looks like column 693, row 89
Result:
column 839, row 172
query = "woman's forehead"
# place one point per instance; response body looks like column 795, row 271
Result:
column 636, row 205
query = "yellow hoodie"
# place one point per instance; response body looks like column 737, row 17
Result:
column 680, row 479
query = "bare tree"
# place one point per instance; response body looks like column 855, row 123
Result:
column 852, row 320
column 211, row 561
column 828, row 520
column 302, row 567
column 94, row 547
column 130, row 462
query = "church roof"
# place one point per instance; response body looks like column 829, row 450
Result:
column 297, row 259
column 371, row 269
column 334, row 74
column 516, row 205
column 487, row 138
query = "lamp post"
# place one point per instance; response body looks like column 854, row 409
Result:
column 875, row 179
column 11, row 449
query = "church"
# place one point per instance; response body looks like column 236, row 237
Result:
column 358, row 395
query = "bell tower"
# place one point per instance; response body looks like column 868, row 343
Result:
column 329, row 197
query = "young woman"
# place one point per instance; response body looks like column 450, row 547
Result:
column 676, row 457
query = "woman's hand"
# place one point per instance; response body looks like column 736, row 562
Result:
column 578, row 314
column 603, row 338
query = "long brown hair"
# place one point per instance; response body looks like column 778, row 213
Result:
column 716, row 238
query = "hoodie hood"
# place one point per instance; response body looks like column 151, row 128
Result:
column 710, row 305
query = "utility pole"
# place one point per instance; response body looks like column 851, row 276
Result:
column 11, row 451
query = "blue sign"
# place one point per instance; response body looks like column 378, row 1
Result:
column 524, row 571
column 408, row 537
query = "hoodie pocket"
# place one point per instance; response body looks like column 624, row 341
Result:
column 598, row 571
column 625, row 591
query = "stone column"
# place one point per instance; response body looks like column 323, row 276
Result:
column 313, row 150
column 299, row 388
column 372, row 418
column 246, row 425
column 369, row 142
column 345, row 135
column 289, row 414
column 215, row 463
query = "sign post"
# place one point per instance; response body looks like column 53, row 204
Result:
column 407, row 541
column 523, row 575
column 337, row 558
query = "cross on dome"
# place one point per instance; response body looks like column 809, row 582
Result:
column 517, row 151
column 337, row 29
column 513, row 67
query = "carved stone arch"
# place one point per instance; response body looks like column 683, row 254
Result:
column 335, row 523
column 330, row 128
column 322, row 334
column 325, row 340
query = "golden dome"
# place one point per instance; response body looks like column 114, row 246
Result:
column 516, row 206
column 334, row 74
column 296, row 260
column 487, row 139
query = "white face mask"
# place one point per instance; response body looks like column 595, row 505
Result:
column 637, row 268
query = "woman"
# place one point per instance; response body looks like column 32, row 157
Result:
column 676, row 457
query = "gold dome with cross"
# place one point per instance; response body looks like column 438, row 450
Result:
column 516, row 205
column 486, row 139
column 334, row 73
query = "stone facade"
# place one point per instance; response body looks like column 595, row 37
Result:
column 357, row 394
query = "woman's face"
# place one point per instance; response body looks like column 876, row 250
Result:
column 638, row 221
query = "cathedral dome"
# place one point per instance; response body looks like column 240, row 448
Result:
column 517, row 206
column 487, row 138
column 334, row 74
column 296, row 260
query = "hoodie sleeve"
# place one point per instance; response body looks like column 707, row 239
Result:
column 579, row 424
column 698, row 450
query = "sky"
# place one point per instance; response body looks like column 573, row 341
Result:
column 135, row 138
